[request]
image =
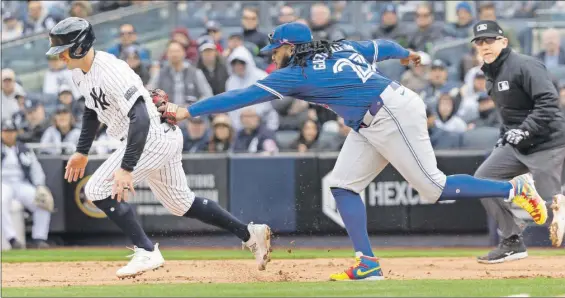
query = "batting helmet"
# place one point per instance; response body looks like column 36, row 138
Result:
column 72, row 33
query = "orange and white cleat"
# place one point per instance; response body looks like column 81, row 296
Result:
column 527, row 198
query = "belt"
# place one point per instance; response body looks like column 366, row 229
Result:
column 376, row 106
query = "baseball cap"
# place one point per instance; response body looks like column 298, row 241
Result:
column 438, row 64
column 289, row 33
column 425, row 59
column 31, row 103
column 8, row 73
column 486, row 29
column 389, row 7
column 9, row 125
column 464, row 5
column 65, row 88
column 206, row 42
column 8, row 16
column 221, row 119
column 480, row 74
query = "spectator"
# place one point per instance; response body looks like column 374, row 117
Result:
column 234, row 41
column 244, row 73
column 463, row 28
column 254, row 137
column 250, row 23
column 469, row 108
column 389, row 27
column 131, row 55
column 190, row 46
column 437, row 81
column 487, row 11
column 416, row 77
column 488, row 117
column 308, row 138
column 76, row 106
column 38, row 19
column 57, row 75
column 553, row 54
column 222, row 134
column 22, row 175
column 81, row 9
column 441, row 139
column 36, row 121
column 292, row 112
column 471, row 63
column 212, row 64
column 183, row 82
column 322, row 25
column 214, row 30
column 128, row 37
column 113, row 5
column 13, row 28
column 446, row 111
column 10, row 90
column 334, row 142
column 428, row 32
column 286, row 15
column 196, row 135
column 63, row 130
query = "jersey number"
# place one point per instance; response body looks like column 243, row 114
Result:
column 363, row 74
column 99, row 98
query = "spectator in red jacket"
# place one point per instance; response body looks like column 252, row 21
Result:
column 182, row 36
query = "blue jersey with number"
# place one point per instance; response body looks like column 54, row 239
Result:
column 347, row 82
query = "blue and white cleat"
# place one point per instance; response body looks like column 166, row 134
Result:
column 365, row 269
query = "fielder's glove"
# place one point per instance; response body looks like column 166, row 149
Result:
column 515, row 136
column 161, row 98
column 44, row 198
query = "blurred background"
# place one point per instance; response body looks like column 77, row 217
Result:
column 268, row 163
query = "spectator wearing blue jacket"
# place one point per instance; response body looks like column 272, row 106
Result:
column 128, row 37
column 463, row 27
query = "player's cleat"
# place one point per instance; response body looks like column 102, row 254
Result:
column 259, row 244
column 141, row 261
column 38, row 244
column 365, row 268
column 510, row 249
column 15, row 244
column 527, row 198
column 557, row 227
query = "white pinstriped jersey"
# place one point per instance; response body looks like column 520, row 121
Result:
column 111, row 88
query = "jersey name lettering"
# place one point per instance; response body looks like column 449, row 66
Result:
column 99, row 98
column 363, row 74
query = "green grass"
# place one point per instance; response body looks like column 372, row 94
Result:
column 463, row 288
column 118, row 254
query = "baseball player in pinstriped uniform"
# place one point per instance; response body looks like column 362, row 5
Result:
column 388, row 124
column 151, row 150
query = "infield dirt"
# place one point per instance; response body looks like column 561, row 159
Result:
column 42, row 274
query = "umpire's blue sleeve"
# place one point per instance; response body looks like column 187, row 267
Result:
column 379, row 50
column 231, row 100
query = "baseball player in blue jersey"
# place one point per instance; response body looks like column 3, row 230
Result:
column 388, row 124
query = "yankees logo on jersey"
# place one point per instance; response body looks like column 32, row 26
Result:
column 111, row 88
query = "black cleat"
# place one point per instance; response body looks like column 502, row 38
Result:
column 15, row 244
column 38, row 244
column 509, row 249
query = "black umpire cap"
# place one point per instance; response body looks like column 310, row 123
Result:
column 72, row 33
column 484, row 29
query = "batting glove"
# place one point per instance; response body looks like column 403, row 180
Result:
column 515, row 136
column 170, row 113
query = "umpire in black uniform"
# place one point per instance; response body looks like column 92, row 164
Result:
column 532, row 134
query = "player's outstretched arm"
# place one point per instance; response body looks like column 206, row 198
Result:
column 221, row 103
column 77, row 162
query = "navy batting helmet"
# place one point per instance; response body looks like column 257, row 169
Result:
column 72, row 33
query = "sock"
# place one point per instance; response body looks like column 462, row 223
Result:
column 462, row 187
column 354, row 215
column 210, row 212
column 122, row 215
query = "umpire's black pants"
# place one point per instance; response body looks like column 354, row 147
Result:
column 504, row 163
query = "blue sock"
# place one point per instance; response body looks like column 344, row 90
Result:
column 462, row 187
column 122, row 215
column 354, row 215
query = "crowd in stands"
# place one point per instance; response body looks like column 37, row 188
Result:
column 460, row 112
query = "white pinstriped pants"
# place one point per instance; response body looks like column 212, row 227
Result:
column 160, row 165
column 398, row 134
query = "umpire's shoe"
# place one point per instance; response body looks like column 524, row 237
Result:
column 509, row 249
column 259, row 244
